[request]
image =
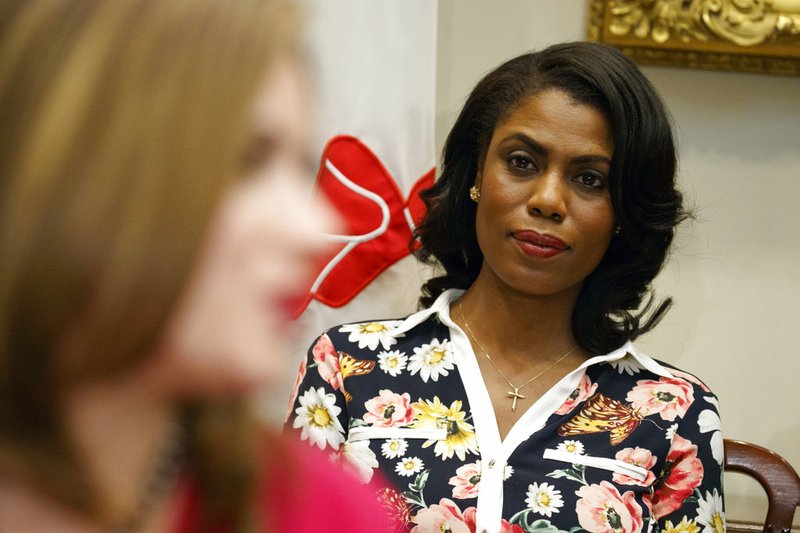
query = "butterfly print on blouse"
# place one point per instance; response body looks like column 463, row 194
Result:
column 601, row 413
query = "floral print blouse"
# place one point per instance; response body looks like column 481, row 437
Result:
column 623, row 443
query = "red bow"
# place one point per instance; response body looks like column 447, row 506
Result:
column 378, row 220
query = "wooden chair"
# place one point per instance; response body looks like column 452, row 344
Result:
column 774, row 473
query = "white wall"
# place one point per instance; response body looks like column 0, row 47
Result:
column 735, row 272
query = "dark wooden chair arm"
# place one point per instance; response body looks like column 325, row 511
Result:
column 774, row 473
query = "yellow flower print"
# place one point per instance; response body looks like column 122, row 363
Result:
column 460, row 434
column 684, row 526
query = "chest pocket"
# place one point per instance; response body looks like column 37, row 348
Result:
column 371, row 432
column 614, row 465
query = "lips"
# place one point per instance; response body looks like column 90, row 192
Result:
column 539, row 245
column 287, row 305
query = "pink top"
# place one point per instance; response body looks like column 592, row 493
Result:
column 306, row 492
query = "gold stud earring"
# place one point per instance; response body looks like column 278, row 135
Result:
column 474, row 194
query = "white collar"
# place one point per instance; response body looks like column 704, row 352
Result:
column 628, row 349
column 441, row 307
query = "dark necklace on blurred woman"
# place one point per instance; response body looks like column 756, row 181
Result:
column 170, row 458
column 514, row 394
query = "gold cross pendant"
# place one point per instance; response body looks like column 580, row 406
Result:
column 516, row 395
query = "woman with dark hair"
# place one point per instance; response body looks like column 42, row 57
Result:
column 516, row 400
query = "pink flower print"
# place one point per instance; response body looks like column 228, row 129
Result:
column 465, row 482
column 584, row 389
column 639, row 457
column 506, row 527
column 389, row 409
column 669, row 398
column 688, row 377
column 602, row 509
column 296, row 389
column 682, row 472
column 327, row 361
column 444, row 516
column 396, row 507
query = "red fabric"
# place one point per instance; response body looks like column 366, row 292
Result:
column 324, row 499
column 303, row 493
column 361, row 216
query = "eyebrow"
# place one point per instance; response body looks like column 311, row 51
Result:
column 541, row 150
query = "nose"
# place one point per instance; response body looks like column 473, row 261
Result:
column 315, row 218
column 548, row 196
column 328, row 220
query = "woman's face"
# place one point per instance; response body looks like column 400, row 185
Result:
column 544, row 218
column 231, row 330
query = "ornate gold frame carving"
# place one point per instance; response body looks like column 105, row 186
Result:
column 760, row 36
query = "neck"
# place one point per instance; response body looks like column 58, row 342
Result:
column 120, row 429
column 513, row 325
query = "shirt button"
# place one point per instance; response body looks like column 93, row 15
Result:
column 491, row 463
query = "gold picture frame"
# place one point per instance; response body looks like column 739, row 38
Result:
column 761, row 36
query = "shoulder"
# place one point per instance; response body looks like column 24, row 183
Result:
column 385, row 333
column 631, row 364
column 381, row 335
column 687, row 376
column 653, row 386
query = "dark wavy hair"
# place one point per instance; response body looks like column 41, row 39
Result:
column 616, row 303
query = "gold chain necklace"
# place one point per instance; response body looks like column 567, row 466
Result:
column 515, row 393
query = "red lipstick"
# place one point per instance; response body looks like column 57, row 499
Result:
column 539, row 245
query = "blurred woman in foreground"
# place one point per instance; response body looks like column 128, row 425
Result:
column 153, row 224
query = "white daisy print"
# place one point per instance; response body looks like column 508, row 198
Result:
column 316, row 417
column 710, row 513
column 671, row 432
column 627, row 365
column 709, row 422
column 394, row 448
column 544, row 499
column 571, row 446
column 713, row 401
column 393, row 363
column 432, row 360
column 409, row 466
column 357, row 457
column 369, row 334
column 508, row 471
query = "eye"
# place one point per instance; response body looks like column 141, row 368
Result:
column 521, row 162
column 260, row 151
column 592, row 180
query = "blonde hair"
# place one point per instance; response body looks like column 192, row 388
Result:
column 121, row 123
